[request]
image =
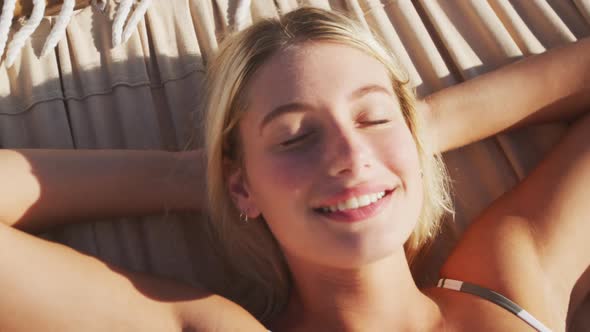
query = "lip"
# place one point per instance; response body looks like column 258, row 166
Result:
column 349, row 193
column 359, row 214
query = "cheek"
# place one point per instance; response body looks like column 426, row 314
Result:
column 399, row 152
column 291, row 172
column 279, row 186
column 285, row 175
column 279, row 180
column 402, row 158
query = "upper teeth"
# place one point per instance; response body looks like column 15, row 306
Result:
column 354, row 203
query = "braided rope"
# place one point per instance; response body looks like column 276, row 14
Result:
column 121, row 32
column 6, row 22
column 25, row 32
column 137, row 15
column 119, row 22
column 59, row 29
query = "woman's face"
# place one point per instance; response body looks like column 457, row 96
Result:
column 329, row 161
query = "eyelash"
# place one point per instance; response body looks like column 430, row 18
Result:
column 374, row 122
column 292, row 141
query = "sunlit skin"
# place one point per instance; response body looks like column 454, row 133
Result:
column 349, row 270
column 349, row 138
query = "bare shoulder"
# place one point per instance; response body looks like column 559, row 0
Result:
column 530, row 244
column 211, row 312
column 197, row 309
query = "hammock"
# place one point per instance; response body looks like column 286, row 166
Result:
column 123, row 24
column 93, row 92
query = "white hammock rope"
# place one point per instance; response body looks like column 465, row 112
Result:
column 6, row 22
column 137, row 15
column 59, row 29
column 100, row 4
column 119, row 22
column 241, row 15
column 121, row 31
column 25, row 32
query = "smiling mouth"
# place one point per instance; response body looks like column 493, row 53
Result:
column 355, row 203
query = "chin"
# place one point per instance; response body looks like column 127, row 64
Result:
column 358, row 251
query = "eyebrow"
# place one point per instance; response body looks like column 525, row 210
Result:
column 299, row 106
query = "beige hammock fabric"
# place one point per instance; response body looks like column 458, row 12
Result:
column 146, row 94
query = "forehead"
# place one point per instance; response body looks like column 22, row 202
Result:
column 314, row 72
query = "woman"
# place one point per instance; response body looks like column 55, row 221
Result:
column 324, row 182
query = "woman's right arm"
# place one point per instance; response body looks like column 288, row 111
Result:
column 46, row 286
column 41, row 188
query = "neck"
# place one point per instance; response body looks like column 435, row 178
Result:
column 380, row 294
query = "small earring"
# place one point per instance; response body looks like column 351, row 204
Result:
column 421, row 174
column 243, row 217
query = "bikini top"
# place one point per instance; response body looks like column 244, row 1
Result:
column 494, row 297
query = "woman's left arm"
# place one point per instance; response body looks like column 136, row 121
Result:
column 534, row 235
column 547, row 87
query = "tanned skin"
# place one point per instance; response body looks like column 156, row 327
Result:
column 530, row 245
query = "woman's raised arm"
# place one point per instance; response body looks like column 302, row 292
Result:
column 535, row 235
column 41, row 188
column 547, row 87
column 49, row 287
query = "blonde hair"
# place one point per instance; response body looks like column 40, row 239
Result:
column 250, row 250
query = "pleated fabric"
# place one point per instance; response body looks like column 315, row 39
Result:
column 146, row 94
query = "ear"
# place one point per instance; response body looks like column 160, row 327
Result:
column 240, row 193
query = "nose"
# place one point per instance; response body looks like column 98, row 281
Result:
column 348, row 153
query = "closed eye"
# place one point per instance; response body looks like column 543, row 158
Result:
column 374, row 122
column 293, row 141
column 374, row 116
